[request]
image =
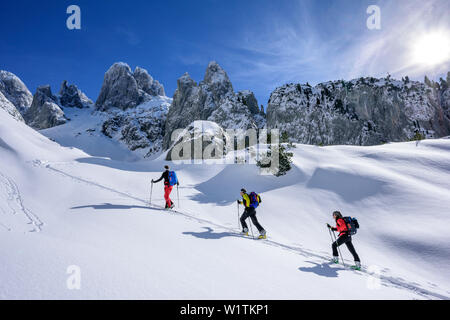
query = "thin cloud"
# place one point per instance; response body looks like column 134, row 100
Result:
column 130, row 37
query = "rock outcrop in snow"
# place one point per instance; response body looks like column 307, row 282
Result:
column 365, row 111
column 124, row 89
column 141, row 128
column 213, row 99
column 15, row 91
column 70, row 96
column 200, row 140
column 6, row 105
column 44, row 111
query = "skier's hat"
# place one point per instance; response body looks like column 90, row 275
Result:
column 166, row 167
column 243, row 190
column 337, row 214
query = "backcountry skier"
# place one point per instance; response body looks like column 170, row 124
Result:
column 344, row 237
column 170, row 179
column 251, row 202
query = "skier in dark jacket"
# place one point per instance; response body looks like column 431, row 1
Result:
column 167, row 187
column 250, row 212
column 344, row 237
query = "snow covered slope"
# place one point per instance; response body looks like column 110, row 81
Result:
column 60, row 207
column 114, row 133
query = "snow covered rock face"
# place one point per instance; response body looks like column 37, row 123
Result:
column 15, row 91
column 44, row 111
column 72, row 97
column 200, row 140
column 123, row 89
column 147, row 84
column 213, row 99
column 6, row 105
column 248, row 98
column 365, row 111
column 141, row 128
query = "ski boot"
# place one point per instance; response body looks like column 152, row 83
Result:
column 357, row 266
column 262, row 235
column 335, row 260
column 244, row 232
column 172, row 205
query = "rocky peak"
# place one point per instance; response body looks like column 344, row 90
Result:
column 72, row 97
column 44, row 94
column 124, row 89
column 212, row 100
column 147, row 84
column 44, row 111
column 185, row 81
column 215, row 74
column 248, row 98
column 15, row 91
column 119, row 89
column 216, row 80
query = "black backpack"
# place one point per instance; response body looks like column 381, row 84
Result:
column 352, row 225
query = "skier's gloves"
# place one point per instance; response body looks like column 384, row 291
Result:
column 238, row 201
column 329, row 226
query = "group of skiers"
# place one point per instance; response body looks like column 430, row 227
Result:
column 346, row 226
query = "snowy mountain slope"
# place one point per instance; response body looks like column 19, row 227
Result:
column 94, row 214
column 114, row 133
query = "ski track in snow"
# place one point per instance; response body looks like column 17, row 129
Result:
column 14, row 200
column 392, row 281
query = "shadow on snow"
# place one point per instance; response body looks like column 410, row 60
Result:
column 324, row 269
column 209, row 234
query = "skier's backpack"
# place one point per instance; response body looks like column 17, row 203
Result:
column 255, row 199
column 172, row 178
column 352, row 225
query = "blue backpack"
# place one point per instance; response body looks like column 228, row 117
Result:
column 255, row 199
column 352, row 225
column 172, row 178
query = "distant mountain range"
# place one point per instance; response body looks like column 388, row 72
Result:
column 136, row 112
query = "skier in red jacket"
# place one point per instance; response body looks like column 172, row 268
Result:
column 344, row 237
column 167, row 187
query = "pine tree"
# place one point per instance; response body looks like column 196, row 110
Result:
column 285, row 157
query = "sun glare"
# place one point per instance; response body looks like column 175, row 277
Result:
column 432, row 48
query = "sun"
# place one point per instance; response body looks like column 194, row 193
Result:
column 431, row 49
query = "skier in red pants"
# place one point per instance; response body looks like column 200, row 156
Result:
column 170, row 179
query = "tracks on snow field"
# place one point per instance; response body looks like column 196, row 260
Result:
column 12, row 197
column 389, row 280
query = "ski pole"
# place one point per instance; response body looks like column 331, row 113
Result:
column 339, row 250
column 151, row 192
column 329, row 231
column 178, row 197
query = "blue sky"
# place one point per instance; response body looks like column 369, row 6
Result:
column 261, row 44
